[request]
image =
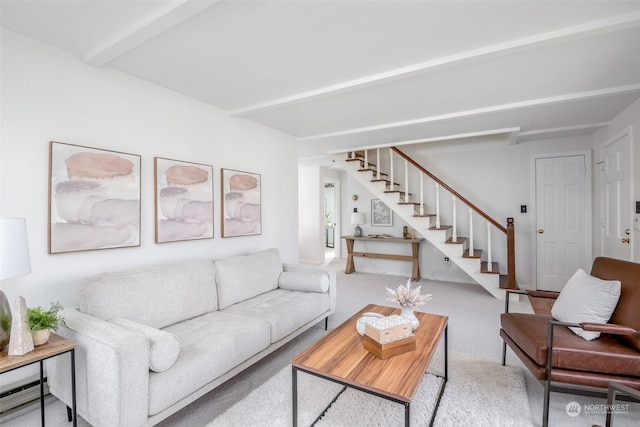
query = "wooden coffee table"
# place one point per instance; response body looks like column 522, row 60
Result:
column 340, row 357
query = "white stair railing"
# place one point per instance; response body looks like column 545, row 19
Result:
column 378, row 163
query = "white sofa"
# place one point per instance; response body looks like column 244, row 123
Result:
column 152, row 341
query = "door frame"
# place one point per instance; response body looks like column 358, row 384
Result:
column 588, row 200
column 628, row 132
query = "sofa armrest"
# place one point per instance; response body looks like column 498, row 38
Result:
column 608, row 328
column 112, row 371
column 329, row 271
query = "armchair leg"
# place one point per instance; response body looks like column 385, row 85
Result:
column 504, row 352
column 545, row 407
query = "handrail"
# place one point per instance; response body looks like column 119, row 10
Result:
column 452, row 191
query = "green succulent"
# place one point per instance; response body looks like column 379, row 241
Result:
column 39, row 318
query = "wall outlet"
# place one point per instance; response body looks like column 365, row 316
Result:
column 446, row 262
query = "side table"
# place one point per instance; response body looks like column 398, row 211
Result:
column 56, row 346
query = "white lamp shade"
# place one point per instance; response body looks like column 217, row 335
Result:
column 14, row 248
column 357, row 218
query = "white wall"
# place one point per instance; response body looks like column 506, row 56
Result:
column 629, row 118
column 48, row 94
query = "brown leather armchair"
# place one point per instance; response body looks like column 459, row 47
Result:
column 566, row 363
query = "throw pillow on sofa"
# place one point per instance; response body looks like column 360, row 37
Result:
column 306, row 281
column 164, row 347
column 586, row 298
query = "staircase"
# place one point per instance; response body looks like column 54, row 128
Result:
column 389, row 174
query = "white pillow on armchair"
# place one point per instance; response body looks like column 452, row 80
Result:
column 586, row 298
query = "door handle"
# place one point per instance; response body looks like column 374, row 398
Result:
column 627, row 240
column 540, row 231
column 627, row 231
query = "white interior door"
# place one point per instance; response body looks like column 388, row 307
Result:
column 561, row 219
column 616, row 198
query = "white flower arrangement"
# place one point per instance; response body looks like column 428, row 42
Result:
column 407, row 296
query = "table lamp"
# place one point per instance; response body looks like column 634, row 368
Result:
column 357, row 218
column 14, row 262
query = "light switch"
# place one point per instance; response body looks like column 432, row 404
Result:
column 636, row 222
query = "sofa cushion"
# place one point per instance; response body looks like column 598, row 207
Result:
column 607, row 354
column 286, row 311
column 155, row 297
column 586, row 299
column 242, row 277
column 163, row 346
column 211, row 345
column 308, row 281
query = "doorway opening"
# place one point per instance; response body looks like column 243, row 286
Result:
column 330, row 220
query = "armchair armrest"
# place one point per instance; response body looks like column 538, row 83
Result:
column 543, row 294
column 608, row 328
column 112, row 371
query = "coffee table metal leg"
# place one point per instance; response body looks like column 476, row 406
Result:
column 407, row 414
column 294, row 395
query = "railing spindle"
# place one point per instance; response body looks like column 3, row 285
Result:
column 471, row 249
column 489, row 260
column 406, row 181
column 437, row 205
column 377, row 163
column 392, row 186
column 421, row 193
column 454, row 235
column 366, row 159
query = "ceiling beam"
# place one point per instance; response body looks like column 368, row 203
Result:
column 170, row 15
column 579, row 96
column 616, row 23
column 505, row 131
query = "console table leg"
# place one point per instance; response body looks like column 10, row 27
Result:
column 350, row 268
column 415, row 256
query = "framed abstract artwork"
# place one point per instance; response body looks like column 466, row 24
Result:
column 183, row 200
column 381, row 214
column 241, row 203
column 94, row 198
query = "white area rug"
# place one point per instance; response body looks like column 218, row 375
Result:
column 479, row 392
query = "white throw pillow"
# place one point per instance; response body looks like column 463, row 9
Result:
column 164, row 346
column 586, row 298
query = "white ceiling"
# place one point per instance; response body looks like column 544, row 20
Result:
column 344, row 74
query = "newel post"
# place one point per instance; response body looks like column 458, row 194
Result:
column 511, row 255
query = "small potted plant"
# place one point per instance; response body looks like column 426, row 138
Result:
column 42, row 321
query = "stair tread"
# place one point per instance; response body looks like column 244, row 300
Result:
column 424, row 215
column 477, row 253
column 459, row 240
column 442, row 227
column 409, row 203
column 494, row 268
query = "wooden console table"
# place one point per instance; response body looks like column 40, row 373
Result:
column 414, row 257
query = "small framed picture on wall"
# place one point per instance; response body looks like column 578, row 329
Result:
column 381, row 214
